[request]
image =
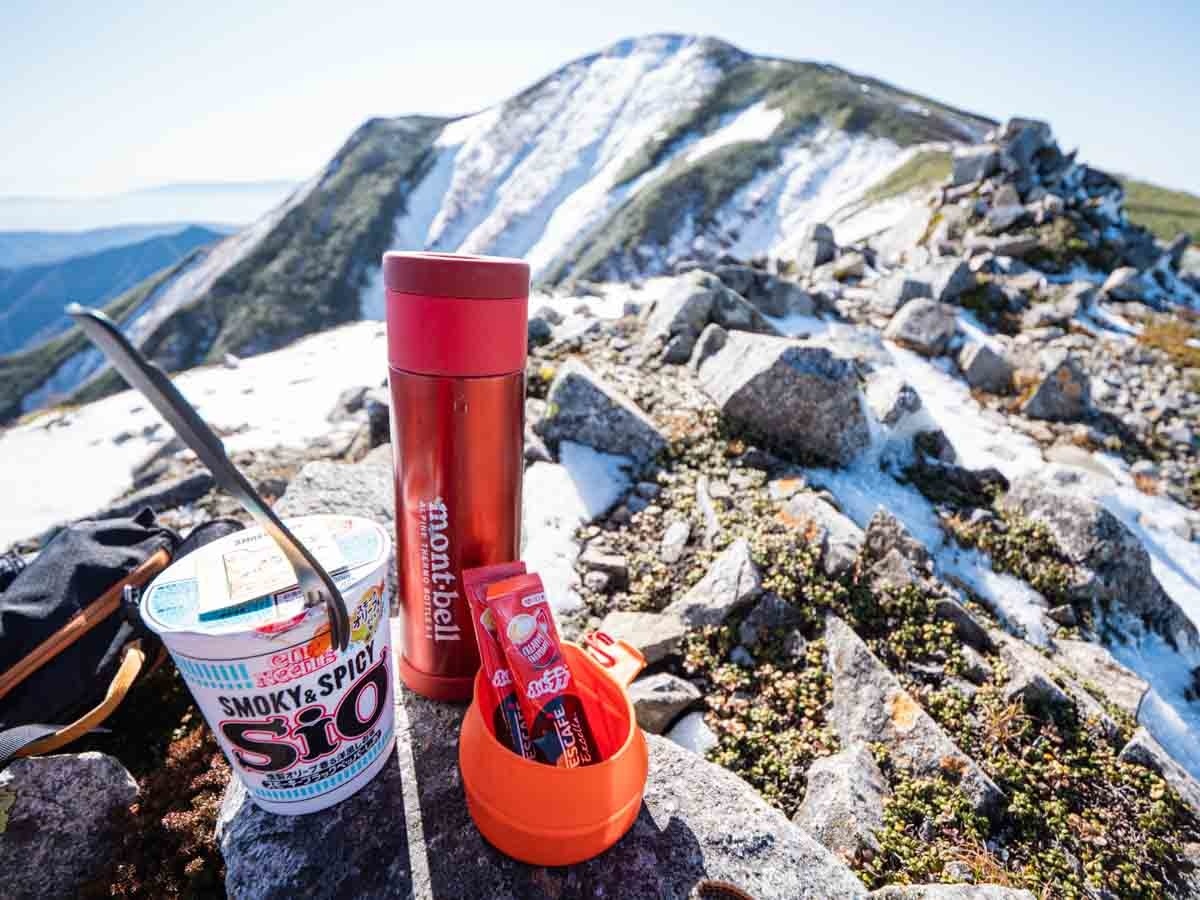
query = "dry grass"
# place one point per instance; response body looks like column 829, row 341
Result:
column 986, row 868
column 1004, row 726
column 1172, row 334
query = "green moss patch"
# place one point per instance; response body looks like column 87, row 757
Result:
column 924, row 169
column 769, row 718
column 1077, row 818
column 1162, row 210
column 1172, row 334
column 1021, row 547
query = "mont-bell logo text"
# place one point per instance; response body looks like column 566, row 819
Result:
column 553, row 681
column 444, row 593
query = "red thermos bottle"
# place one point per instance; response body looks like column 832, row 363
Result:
column 457, row 334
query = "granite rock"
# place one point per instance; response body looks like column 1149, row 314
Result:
column 869, row 704
column 63, row 822
column 658, row 700
column 731, row 584
column 583, row 409
column 798, row 397
column 843, row 803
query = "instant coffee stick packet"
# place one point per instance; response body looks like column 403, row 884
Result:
column 507, row 720
column 558, row 724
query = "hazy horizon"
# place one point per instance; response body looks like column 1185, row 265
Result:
column 113, row 98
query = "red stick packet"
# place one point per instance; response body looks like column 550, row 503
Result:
column 507, row 721
column 558, row 724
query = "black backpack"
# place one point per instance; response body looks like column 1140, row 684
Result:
column 72, row 642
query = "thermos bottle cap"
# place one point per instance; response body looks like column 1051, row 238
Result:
column 456, row 316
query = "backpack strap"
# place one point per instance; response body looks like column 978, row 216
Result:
column 30, row 740
column 83, row 621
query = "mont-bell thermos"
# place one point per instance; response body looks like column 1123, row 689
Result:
column 457, row 334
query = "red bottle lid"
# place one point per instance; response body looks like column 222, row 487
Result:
column 458, row 316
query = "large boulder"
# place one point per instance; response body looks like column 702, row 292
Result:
column 332, row 487
column 798, row 397
column 870, row 705
column 583, row 409
column 843, row 803
column 408, row 833
column 923, row 325
column 689, row 303
column 1113, row 569
column 948, row 279
column 62, row 821
column 1094, row 664
column 1022, row 140
column 903, row 238
column 731, row 584
column 816, row 247
column 769, row 294
column 1063, row 394
column 1043, row 685
column 896, row 289
column 974, row 163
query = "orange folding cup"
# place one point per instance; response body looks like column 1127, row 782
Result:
column 552, row 816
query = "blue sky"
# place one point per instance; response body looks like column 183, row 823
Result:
column 100, row 98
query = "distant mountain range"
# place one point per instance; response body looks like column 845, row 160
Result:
column 236, row 203
column 33, row 248
column 616, row 166
column 32, row 298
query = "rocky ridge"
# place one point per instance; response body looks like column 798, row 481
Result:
column 941, row 691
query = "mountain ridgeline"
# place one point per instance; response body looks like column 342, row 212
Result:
column 617, row 165
column 32, row 297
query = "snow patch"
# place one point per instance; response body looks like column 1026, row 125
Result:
column 274, row 399
column 983, row 440
column 818, row 175
column 864, row 487
column 413, row 226
column 557, row 500
column 529, row 177
column 754, row 123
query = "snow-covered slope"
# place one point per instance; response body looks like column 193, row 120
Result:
column 614, row 166
column 62, row 465
column 546, row 174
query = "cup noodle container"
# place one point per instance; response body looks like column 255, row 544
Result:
column 550, row 816
column 302, row 724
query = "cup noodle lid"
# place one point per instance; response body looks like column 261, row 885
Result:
column 242, row 584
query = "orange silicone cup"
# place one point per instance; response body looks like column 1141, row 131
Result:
column 549, row 816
